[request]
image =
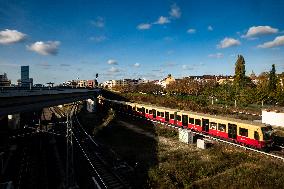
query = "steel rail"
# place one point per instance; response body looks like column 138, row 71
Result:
column 106, row 185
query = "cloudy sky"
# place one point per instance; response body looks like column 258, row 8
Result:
column 130, row 39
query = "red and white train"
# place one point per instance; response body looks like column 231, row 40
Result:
column 252, row 134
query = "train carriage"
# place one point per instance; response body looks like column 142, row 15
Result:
column 192, row 120
column 240, row 131
column 218, row 128
column 178, row 118
column 152, row 112
column 160, row 114
column 140, row 110
column 170, row 115
column 163, row 114
column 149, row 112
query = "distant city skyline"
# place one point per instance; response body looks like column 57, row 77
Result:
column 67, row 40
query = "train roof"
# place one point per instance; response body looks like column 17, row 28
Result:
column 223, row 118
column 198, row 114
column 210, row 116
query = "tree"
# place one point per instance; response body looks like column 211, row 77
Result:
column 272, row 82
column 240, row 72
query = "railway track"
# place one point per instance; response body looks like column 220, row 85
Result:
column 274, row 154
column 103, row 176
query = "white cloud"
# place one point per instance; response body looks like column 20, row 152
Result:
column 159, row 70
column 175, row 11
column 259, row 30
column 65, row 65
column 136, row 64
column 168, row 38
column 112, row 62
column 162, row 20
column 11, row 36
column 169, row 52
column 44, row 65
column 113, row 70
column 170, row 64
column 98, row 39
column 186, row 67
column 217, row 55
column 9, row 64
column 45, row 48
column 210, row 28
column 228, row 42
column 144, row 26
column 278, row 41
column 99, row 22
column 191, row 30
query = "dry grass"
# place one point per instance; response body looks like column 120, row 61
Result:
column 218, row 167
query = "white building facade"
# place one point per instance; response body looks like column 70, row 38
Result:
column 274, row 118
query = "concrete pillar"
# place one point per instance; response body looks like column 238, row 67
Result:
column 91, row 105
column 14, row 121
column 187, row 136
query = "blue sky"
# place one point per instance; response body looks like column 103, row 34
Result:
column 130, row 39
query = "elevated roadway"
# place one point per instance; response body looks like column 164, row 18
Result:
column 16, row 101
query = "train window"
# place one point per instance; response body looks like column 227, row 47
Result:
column 133, row 108
column 256, row 135
column 185, row 119
column 150, row 112
column 191, row 120
column 243, row 132
column 178, row 117
column 197, row 122
column 172, row 116
column 158, row 113
column 143, row 109
column 147, row 111
column 162, row 114
column 222, row 127
column 213, row 125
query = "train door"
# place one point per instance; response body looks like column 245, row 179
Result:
column 143, row 111
column 154, row 113
column 205, row 125
column 167, row 116
column 185, row 120
column 232, row 131
column 175, row 120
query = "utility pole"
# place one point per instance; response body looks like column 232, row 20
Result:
column 70, row 178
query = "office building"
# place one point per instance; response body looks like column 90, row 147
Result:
column 4, row 82
column 25, row 80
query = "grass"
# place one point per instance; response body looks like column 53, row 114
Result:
column 218, row 167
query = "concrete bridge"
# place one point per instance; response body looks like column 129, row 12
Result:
column 16, row 101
